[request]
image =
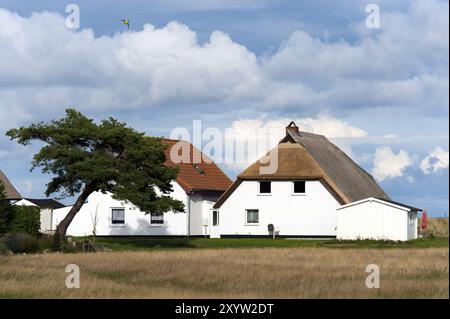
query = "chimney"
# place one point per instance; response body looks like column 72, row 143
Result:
column 292, row 129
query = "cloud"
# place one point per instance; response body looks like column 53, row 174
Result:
column 437, row 159
column 206, row 5
column 388, row 165
column 46, row 67
column 265, row 134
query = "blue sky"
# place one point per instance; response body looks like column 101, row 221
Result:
column 380, row 94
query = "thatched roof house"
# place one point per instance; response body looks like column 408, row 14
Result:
column 310, row 188
column 11, row 191
column 307, row 156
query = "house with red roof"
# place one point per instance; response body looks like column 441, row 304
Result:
column 199, row 184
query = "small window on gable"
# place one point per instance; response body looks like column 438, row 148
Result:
column 299, row 187
column 118, row 216
column 156, row 219
column 265, row 187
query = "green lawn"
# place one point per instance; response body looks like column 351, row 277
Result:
column 144, row 243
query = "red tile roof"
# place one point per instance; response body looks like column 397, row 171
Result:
column 202, row 176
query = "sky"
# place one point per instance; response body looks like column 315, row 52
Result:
column 380, row 94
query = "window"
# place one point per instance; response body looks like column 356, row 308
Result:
column 200, row 170
column 156, row 219
column 252, row 216
column 265, row 187
column 118, row 216
column 412, row 218
column 299, row 187
column 215, row 218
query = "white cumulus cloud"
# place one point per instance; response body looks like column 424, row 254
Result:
column 437, row 159
column 46, row 67
column 387, row 164
column 263, row 135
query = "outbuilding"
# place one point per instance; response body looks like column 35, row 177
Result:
column 375, row 218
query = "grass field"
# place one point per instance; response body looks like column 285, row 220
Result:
column 300, row 272
column 158, row 243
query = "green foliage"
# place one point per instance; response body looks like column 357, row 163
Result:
column 21, row 243
column 68, row 248
column 18, row 219
column 3, row 249
column 107, row 157
column 26, row 220
column 6, row 211
column 150, row 243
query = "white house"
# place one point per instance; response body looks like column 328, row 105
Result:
column 47, row 207
column 198, row 186
column 314, row 184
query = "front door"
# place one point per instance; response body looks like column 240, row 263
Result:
column 214, row 229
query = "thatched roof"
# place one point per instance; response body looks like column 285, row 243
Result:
column 352, row 180
column 294, row 162
column 11, row 192
column 308, row 156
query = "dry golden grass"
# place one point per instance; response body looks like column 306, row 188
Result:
column 230, row 273
column 437, row 226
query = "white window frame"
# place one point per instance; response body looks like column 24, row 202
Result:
column 259, row 189
column 124, row 217
column 246, row 217
column 293, row 193
column 156, row 224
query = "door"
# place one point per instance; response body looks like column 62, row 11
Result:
column 214, row 229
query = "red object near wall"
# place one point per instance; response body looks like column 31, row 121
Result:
column 424, row 220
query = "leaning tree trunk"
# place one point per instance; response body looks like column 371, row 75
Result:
column 61, row 229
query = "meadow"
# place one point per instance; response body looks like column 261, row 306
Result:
column 305, row 271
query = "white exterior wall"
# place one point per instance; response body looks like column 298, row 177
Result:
column 412, row 226
column 46, row 220
column 311, row 214
column 200, row 222
column 373, row 220
column 196, row 206
column 137, row 223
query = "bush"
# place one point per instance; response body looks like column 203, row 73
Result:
column 21, row 243
column 45, row 243
column 6, row 211
column 3, row 249
column 68, row 248
column 26, row 220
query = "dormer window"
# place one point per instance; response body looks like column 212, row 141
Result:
column 200, row 170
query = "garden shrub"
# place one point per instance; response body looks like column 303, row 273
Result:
column 21, row 243
column 26, row 220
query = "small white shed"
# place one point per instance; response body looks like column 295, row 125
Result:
column 380, row 219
